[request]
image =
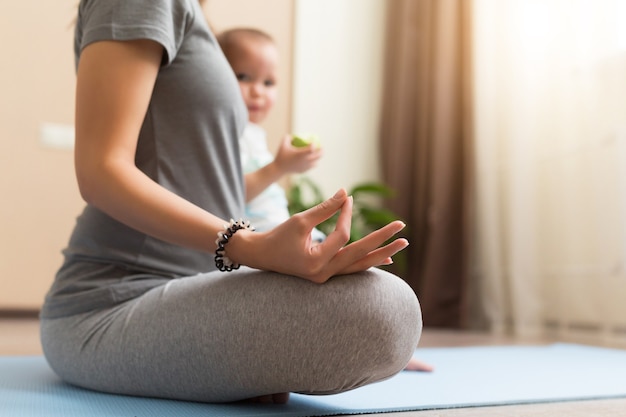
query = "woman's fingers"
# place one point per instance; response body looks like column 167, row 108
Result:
column 341, row 235
column 362, row 254
column 369, row 251
column 378, row 257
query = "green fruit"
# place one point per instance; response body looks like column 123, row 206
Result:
column 302, row 141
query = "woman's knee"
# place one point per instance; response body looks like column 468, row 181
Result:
column 395, row 318
column 378, row 317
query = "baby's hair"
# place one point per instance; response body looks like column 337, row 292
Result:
column 230, row 39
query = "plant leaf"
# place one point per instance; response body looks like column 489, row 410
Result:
column 375, row 188
column 377, row 217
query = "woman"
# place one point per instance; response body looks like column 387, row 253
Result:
column 139, row 306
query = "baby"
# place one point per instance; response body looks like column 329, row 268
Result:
column 253, row 56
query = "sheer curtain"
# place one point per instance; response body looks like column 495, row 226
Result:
column 550, row 146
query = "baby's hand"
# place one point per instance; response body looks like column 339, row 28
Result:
column 292, row 159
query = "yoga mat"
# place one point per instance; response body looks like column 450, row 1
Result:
column 463, row 377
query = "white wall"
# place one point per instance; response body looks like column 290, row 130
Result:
column 39, row 195
column 337, row 85
column 276, row 18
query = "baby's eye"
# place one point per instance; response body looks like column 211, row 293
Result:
column 269, row 83
column 242, row 77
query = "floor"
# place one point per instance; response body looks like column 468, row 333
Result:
column 20, row 336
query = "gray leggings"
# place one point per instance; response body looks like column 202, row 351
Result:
column 222, row 337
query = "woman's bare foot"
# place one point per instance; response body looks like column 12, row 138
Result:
column 281, row 398
column 417, row 365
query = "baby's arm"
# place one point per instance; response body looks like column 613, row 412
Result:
column 259, row 180
column 289, row 160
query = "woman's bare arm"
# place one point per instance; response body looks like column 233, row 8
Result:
column 114, row 85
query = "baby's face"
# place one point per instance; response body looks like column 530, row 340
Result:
column 255, row 66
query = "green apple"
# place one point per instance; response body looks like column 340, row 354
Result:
column 302, row 141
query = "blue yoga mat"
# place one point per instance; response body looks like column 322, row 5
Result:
column 464, row 377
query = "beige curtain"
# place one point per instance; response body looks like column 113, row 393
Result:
column 550, row 118
column 426, row 147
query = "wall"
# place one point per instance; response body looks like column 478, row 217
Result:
column 276, row 18
column 338, row 64
column 39, row 196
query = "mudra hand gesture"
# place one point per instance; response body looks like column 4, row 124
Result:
column 288, row 248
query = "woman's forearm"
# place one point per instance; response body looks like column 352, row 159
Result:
column 128, row 195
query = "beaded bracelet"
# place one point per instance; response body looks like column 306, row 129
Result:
column 223, row 262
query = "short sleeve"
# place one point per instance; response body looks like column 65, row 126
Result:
column 163, row 21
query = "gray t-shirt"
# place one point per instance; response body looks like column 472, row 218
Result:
column 188, row 144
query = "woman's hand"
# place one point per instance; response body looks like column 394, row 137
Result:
column 288, row 248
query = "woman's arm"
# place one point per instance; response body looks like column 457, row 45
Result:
column 114, row 85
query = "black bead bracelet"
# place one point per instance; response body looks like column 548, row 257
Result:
column 223, row 262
